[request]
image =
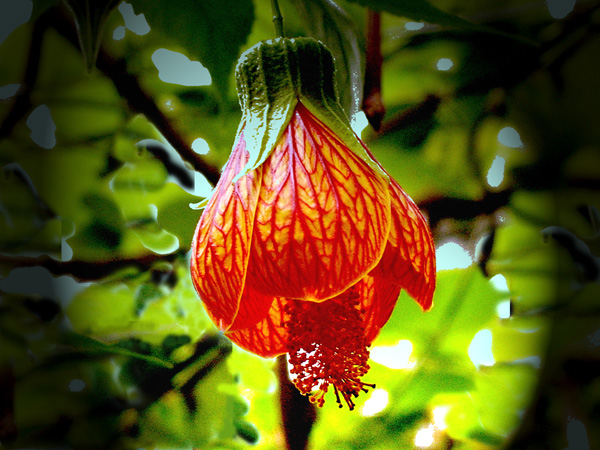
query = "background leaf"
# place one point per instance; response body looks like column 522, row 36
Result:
column 212, row 31
column 418, row 10
column 104, row 342
column 330, row 24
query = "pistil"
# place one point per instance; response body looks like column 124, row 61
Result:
column 327, row 347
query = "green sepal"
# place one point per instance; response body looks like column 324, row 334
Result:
column 272, row 77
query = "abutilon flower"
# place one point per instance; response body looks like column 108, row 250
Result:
column 306, row 242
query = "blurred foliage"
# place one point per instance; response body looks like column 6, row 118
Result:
column 491, row 126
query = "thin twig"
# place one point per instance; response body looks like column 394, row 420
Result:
column 87, row 270
column 277, row 19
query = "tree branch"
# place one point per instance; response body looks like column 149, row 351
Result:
column 373, row 106
column 298, row 414
column 439, row 208
column 138, row 100
column 87, row 270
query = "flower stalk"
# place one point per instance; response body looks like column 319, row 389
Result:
column 277, row 18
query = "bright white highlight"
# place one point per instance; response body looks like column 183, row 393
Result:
column 534, row 361
column 499, row 283
column 510, row 137
column 76, row 385
column 13, row 14
column 359, row 122
column 43, row 130
column 413, row 26
column 9, row 90
column 134, row 22
column 396, row 357
column 202, row 187
column 200, row 146
column 176, row 68
column 503, row 309
column 376, row 403
column 439, row 417
column 577, row 435
column 496, row 173
column 559, row 9
column 452, row 256
column 444, row 64
column 480, row 350
column 424, row 437
column 119, row 33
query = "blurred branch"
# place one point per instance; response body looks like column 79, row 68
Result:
column 86, row 270
column 577, row 29
column 298, row 414
column 8, row 428
column 22, row 101
column 138, row 100
column 210, row 351
column 409, row 116
column 373, row 106
column 439, row 208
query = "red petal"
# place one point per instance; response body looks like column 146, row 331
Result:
column 221, row 244
column 267, row 338
column 409, row 258
column 323, row 215
column 378, row 297
column 254, row 306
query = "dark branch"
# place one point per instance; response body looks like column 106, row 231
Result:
column 373, row 106
column 298, row 414
column 86, row 270
column 410, row 116
column 464, row 209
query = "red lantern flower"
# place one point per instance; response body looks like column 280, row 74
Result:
column 306, row 242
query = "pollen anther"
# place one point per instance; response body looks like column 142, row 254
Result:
column 327, row 347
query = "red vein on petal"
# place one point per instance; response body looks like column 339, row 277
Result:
column 287, row 260
column 409, row 258
column 267, row 338
column 221, row 244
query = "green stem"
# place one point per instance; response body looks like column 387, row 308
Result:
column 277, row 18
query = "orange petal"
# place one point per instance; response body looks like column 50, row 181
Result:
column 254, row 307
column 323, row 216
column 221, row 243
column 267, row 338
column 409, row 258
column 378, row 297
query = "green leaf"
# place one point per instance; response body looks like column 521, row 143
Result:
column 418, row 10
column 247, row 431
column 94, row 346
column 330, row 24
column 212, row 31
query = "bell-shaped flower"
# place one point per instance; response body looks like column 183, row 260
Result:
column 306, row 242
